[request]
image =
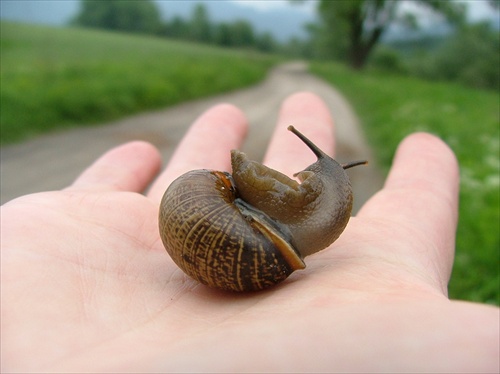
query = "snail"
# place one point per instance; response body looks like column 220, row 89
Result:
column 252, row 229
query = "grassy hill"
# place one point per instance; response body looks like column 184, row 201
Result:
column 391, row 107
column 59, row 77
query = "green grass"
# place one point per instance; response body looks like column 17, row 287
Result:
column 59, row 77
column 392, row 107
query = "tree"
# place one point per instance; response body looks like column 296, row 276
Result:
column 222, row 35
column 132, row 15
column 470, row 57
column 265, row 42
column 354, row 27
column 200, row 27
column 242, row 33
column 176, row 28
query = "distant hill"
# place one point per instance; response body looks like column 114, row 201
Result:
column 283, row 23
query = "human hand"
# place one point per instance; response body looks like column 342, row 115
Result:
column 88, row 286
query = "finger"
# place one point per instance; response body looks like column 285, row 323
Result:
column 420, row 198
column 129, row 167
column 310, row 115
column 206, row 145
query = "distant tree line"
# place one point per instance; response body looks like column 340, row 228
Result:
column 144, row 17
column 132, row 16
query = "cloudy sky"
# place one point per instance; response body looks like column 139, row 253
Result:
column 476, row 9
column 307, row 6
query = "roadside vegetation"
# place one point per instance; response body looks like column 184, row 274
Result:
column 53, row 77
column 393, row 106
column 470, row 57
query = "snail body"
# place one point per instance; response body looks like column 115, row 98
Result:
column 250, row 230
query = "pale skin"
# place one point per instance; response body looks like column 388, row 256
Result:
column 88, row 286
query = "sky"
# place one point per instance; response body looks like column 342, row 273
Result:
column 263, row 5
column 477, row 9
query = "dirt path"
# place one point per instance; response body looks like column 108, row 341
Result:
column 53, row 161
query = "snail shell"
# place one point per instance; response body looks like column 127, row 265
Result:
column 251, row 230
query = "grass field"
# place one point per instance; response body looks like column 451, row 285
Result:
column 392, row 107
column 54, row 77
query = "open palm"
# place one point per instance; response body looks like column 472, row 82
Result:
column 88, row 286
